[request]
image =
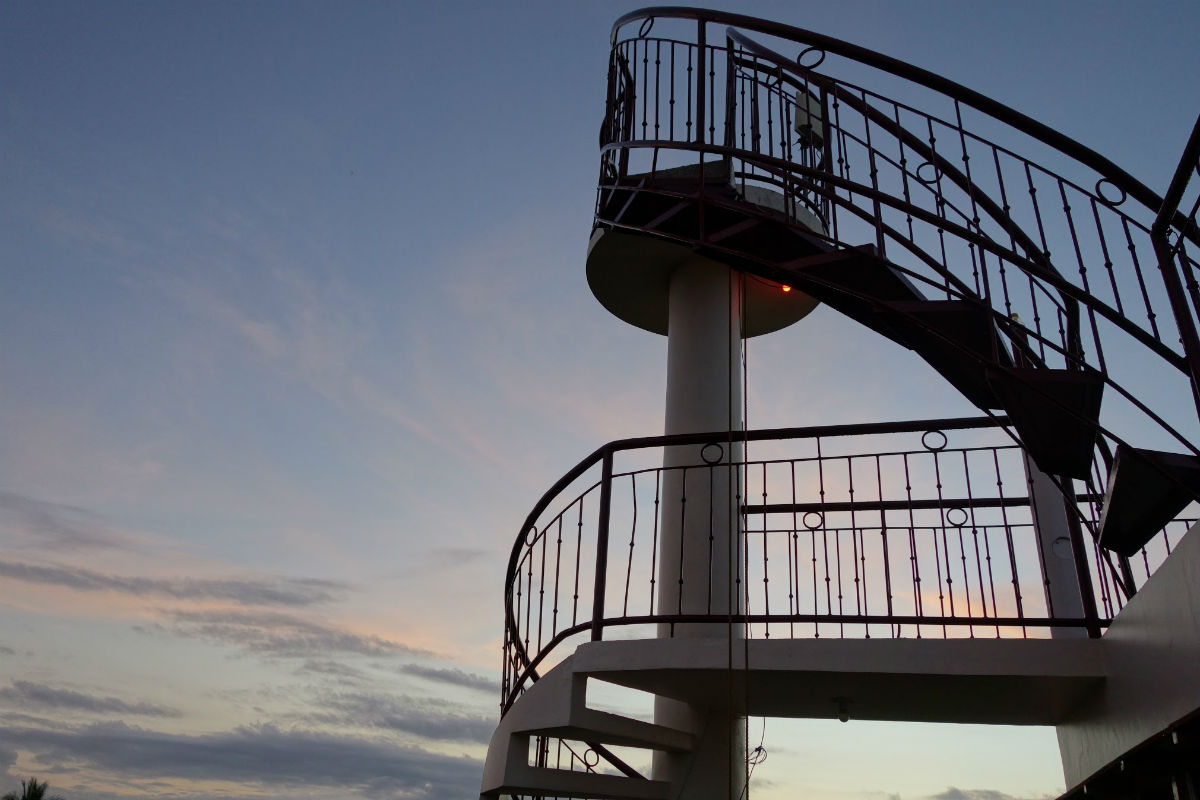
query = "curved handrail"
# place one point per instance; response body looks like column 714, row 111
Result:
column 1093, row 291
column 993, row 108
column 522, row 664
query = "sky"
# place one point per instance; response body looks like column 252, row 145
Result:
column 294, row 330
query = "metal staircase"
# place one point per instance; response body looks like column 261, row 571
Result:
column 785, row 129
column 1044, row 297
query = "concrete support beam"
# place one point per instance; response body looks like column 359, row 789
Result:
column 1152, row 654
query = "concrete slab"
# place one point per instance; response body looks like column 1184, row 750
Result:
column 996, row 681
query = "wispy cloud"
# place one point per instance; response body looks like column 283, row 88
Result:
column 293, row 592
column 455, row 677
column 317, row 337
column 343, row 673
column 58, row 526
column 281, row 635
column 262, row 757
column 424, row 717
column 29, row 695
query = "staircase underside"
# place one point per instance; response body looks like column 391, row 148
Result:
column 999, row 681
column 654, row 222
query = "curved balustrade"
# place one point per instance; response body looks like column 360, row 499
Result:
column 915, row 529
column 1062, row 266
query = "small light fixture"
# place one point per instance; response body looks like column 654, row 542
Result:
column 785, row 288
column 843, row 707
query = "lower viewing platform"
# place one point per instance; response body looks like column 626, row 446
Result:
column 920, row 571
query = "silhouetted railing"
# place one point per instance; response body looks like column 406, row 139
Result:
column 948, row 185
column 915, row 529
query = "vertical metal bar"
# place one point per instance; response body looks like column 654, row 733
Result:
column 1083, row 574
column 606, row 471
column 654, row 538
column 701, row 66
column 730, row 99
column 1137, row 271
column 632, row 537
column 766, row 579
column 1179, row 308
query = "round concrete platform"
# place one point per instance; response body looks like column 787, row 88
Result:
column 631, row 277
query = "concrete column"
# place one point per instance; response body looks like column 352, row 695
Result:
column 700, row 541
column 1063, row 593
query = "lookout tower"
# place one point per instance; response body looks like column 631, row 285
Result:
column 1032, row 565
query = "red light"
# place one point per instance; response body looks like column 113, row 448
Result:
column 786, row 288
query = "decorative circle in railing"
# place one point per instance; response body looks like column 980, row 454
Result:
column 957, row 520
column 531, row 535
column 646, row 27
column 820, row 58
column 706, row 453
column 1109, row 193
column 590, row 758
column 928, row 174
column 929, row 440
column 811, row 525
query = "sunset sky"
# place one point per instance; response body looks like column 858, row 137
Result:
column 294, row 330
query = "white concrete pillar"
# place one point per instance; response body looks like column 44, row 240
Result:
column 1063, row 593
column 700, row 542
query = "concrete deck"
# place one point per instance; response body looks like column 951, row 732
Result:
column 997, row 681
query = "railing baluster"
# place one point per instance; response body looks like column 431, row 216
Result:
column 602, row 521
column 632, row 536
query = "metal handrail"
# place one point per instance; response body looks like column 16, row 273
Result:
column 522, row 664
column 938, row 83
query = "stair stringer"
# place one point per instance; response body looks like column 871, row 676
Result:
column 556, row 705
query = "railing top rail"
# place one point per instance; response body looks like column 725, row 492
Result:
column 765, row 434
column 956, row 91
column 807, row 432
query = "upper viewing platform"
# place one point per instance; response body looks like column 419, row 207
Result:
column 763, row 169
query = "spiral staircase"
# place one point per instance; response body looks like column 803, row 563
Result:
column 1043, row 295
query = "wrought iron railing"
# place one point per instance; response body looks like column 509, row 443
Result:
column 914, row 529
column 949, row 186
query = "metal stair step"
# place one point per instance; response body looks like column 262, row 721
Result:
column 955, row 337
column 1056, row 413
column 1146, row 490
column 566, row 783
column 589, row 725
column 856, row 283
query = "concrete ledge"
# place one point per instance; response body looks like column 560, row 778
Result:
column 1153, row 653
column 998, row 681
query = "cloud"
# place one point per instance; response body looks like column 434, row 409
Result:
column 59, row 526
column 954, row 793
column 26, row 694
column 282, row 635
column 7, row 651
column 424, row 717
column 456, row 677
column 261, row 756
column 284, row 592
column 334, row 669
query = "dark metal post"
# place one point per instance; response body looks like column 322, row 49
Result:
column 730, row 100
column 602, row 545
column 701, row 82
column 1179, row 306
column 1082, row 573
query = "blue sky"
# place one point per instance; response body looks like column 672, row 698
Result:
column 295, row 331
